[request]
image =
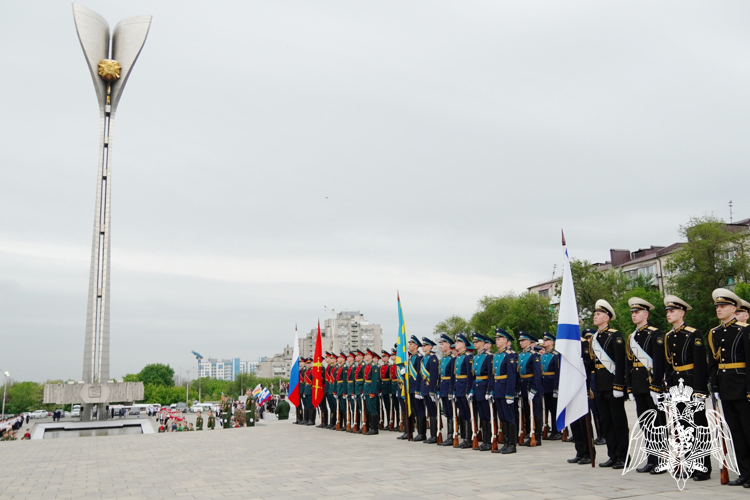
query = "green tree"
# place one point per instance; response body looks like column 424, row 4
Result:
column 713, row 256
column 452, row 326
column 528, row 312
column 743, row 291
column 657, row 317
column 130, row 377
column 592, row 284
column 158, row 374
column 24, row 396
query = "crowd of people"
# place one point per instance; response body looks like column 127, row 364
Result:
column 485, row 396
column 9, row 429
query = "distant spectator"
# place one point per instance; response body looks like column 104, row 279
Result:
column 26, row 436
column 161, row 429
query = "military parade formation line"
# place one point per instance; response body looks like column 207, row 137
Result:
column 485, row 396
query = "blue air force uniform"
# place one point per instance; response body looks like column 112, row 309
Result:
column 550, row 384
column 504, row 375
column 530, row 382
column 463, row 383
column 482, row 371
column 445, row 388
column 430, row 367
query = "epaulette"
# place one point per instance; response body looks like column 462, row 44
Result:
column 740, row 323
column 612, row 330
column 689, row 329
column 652, row 328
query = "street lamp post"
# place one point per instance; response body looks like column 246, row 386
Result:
column 5, row 388
column 334, row 347
column 187, row 386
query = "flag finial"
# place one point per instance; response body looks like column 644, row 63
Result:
column 398, row 297
column 563, row 236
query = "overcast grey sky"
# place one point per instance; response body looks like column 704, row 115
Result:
column 271, row 158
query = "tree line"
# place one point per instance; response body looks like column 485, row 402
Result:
column 714, row 255
column 158, row 385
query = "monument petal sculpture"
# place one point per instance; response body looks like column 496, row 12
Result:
column 110, row 61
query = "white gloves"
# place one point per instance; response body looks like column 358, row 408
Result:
column 631, row 396
column 618, row 394
column 655, row 397
column 434, row 398
column 452, row 397
column 509, row 401
column 418, row 396
column 469, row 397
column 554, row 394
column 490, row 398
column 531, row 397
column 403, row 371
column 716, row 395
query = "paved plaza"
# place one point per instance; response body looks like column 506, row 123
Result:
column 277, row 459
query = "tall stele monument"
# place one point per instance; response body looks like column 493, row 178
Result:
column 110, row 60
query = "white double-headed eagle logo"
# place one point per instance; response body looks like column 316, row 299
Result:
column 671, row 435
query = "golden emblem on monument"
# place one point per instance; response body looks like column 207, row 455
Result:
column 109, row 70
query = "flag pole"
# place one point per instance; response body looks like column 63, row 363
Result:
column 592, row 450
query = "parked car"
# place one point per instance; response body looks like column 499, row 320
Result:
column 76, row 413
column 39, row 414
column 182, row 407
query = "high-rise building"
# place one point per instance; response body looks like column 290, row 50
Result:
column 348, row 331
column 219, row 369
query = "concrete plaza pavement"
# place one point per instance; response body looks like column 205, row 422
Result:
column 278, row 460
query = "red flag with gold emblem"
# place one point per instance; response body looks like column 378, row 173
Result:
column 317, row 372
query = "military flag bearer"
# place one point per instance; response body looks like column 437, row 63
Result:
column 414, row 372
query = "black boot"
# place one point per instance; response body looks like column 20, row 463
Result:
column 433, row 431
column 599, row 437
column 486, row 435
column 538, row 432
column 504, row 428
column 465, row 435
column 311, row 417
column 421, row 428
column 512, row 437
column 372, row 425
column 448, row 441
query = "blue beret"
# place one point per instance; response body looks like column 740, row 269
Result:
column 415, row 340
column 549, row 336
column 444, row 337
column 429, row 341
column 524, row 335
column 499, row 332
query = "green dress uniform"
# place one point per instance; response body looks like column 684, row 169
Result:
column 250, row 412
column 341, row 395
column 371, row 388
column 350, row 372
column 211, row 422
column 199, row 423
column 226, row 413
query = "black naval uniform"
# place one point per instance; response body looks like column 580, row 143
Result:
column 612, row 409
column 640, row 380
column 730, row 348
column 579, row 428
column 685, row 352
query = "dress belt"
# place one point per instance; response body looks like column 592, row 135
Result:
column 358, row 379
column 500, row 377
column 684, row 368
column 483, row 377
column 731, row 366
column 548, row 373
column 637, row 364
column 445, row 378
column 461, row 376
column 527, row 376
